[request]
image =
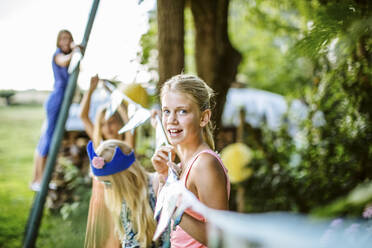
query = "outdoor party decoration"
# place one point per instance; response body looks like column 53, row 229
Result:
column 236, row 157
column 140, row 116
column 136, row 93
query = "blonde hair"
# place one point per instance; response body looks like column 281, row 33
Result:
column 97, row 129
column 199, row 92
column 130, row 185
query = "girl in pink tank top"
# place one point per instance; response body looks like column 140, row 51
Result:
column 186, row 115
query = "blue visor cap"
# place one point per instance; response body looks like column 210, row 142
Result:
column 119, row 162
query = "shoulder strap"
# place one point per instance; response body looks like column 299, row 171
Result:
column 188, row 169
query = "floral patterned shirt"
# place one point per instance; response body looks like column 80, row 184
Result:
column 130, row 241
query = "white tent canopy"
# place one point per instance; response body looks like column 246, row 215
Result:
column 265, row 107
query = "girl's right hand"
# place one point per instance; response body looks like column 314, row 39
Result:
column 160, row 159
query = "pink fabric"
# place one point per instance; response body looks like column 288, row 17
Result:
column 179, row 238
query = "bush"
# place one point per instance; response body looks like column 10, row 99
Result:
column 7, row 94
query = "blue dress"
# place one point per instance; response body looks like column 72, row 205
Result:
column 53, row 105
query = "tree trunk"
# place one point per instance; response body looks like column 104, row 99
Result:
column 216, row 60
column 171, row 55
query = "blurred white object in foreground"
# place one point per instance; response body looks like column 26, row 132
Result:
column 267, row 230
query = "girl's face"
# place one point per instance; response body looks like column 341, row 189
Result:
column 111, row 127
column 181, row 118
column 64, row 42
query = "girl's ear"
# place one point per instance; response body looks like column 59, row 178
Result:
column 205, row 117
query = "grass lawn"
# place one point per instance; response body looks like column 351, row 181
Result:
column 20, row 128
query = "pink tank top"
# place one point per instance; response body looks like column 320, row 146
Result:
column 180, row 238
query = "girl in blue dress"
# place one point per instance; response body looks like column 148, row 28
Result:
column 60, row 62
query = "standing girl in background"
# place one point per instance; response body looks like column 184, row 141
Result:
column 60, row 62
column 100, row 228
column 129, row 192
column 186, row 113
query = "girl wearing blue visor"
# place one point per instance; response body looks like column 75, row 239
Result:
column 129, row 192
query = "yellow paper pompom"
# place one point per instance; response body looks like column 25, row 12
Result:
column 236, row 157
column 136, row 92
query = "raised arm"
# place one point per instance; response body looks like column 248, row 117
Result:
column 85, row 106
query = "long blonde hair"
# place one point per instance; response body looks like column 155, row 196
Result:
column 200, row 93
column 131, row 186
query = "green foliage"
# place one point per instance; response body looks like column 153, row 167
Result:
column 145, row 145
column 68, row 209
column 334, row 158
column 320, row 52
column 77, row 188
column 270, row 186
column 352, row 204
column 148, row 41
column 7, row 94
column 264, row 32
column 341, row 19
